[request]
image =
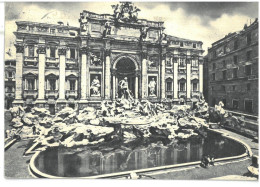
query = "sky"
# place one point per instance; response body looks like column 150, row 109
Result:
column 202, row 21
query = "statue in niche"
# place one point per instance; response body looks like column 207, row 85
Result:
column 152, row 86
column 95, row 86
column 124, row 92
column 95, row 60
column 107, row 30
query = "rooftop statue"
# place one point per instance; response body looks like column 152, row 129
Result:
column 126, row 12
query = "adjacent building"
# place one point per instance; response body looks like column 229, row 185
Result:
column 9, row 83
column 233, row 70
column 59, row 65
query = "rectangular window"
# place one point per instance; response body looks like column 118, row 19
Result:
column 248, row 86
column 248, row 39
column 194, row 63
column 53, row 52
column 213, row 76
column 182, row 62
column 234, row 87
column 195, row 86
column 72, row 53
column 249, row 106
column 169, row 86
column 248, row 70
column 214, row 66
column 235, row 72
column 181, row 44
column 182, row 86
column 52, row 84
column 235, row 104
column 249, row 55
column 31, row 51
column 10, row 74
column 31, row 84
column 30, row 28
column 224, row 64
column 235, row 59
column 72, row 84
column 194, row 45
column 235, row 44
column 214, row 54
column 224, row 74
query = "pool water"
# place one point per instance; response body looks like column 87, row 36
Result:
column 84, row 162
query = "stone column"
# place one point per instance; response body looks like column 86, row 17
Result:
column 114, row 86
column 62, row 56
column 41, row 72
column 175, row 78
column 107, row 74
column 188, row 78
column 136, row 86
column 201, row 76
column 19, row 75
column 144, row 75
column 84, row 67
column 163, row 76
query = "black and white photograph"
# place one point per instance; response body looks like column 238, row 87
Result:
column 131, row 90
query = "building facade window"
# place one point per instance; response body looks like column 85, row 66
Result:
column 235, row 104
column 31, row 51
column 194, row 46
column 72, row 53
column 248, row 38
column 213, row 66
column 235, row 59
column 234, row 87
column 31, row 84
column 248, row 86
column 248, row 70
column 249, row 105
column 213, row 76
column 235, row 44
column 195, row 86
column 168, row 86
column 224, row 74
column 52, row 52
column 181, row 44
column 249, row 55
column 52, row 31
column 224, row 64
column 72, row 84
column 182, row 62
column 235, row 72
column 182, row 86
column 52, row 83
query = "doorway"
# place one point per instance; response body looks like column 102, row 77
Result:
column 52, row 109
column 249, row 106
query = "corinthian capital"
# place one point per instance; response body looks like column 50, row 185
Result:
column 62, row 51
column 19, row 48
column 41, row 50
column 84, row 50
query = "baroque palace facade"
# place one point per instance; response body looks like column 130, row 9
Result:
column 58, row 65
column 233, row 70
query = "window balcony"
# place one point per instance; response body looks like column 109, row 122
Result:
column 195, row 94
column 71, row 63
column 52, row 62
column 30, row 61
column 182, row 94
column 71, row 94
column 51, row 94
column 30, row 94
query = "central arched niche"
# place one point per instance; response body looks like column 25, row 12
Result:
column 125, row 65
